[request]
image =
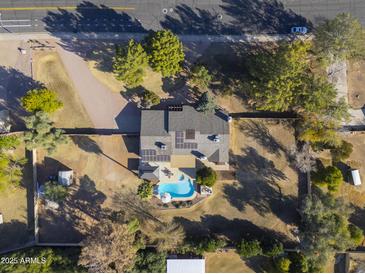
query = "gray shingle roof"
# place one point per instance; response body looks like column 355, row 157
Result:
column 161, row 126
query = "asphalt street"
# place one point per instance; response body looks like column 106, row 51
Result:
column 183, row 16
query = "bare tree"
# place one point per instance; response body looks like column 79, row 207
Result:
column 109, row 248
column 303, row 158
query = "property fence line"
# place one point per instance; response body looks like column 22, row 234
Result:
column 35, row 195
column 27, row 245
column 59, row 244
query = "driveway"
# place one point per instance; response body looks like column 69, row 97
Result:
column 107, row 110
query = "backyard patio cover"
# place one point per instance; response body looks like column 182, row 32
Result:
column 185, row 265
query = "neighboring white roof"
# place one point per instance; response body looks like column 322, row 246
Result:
column 185, row 265
column 356, row 177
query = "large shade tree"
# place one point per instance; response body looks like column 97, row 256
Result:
column 166, row 52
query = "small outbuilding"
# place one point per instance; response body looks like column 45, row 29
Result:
column 355, row 174
column 185, row 265
column 1, row 218
column 65, row 178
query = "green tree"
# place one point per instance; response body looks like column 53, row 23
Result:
column 325, row 228
column 11, row 170
column 166, row 52
column 145, row 190
column 150, row 99
column 206, row 176
column 41, row 100
column 45, row 260
column 279, row 76
column 282, row 264
column 330, row 176
column 340, row 38
column 357, row 234
column 41, row 133
column 248, row 249
column 341, row 152
column 9, row 142
column 275, row 248
column 150, row 261
column 130, row 63
column 206, row 103
column 200, row 77
column 55, row 192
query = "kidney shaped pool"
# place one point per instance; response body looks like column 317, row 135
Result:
column 182, row 189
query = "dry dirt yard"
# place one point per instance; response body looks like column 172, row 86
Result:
column 100, row 165
column 355, row 195
column 16, row 209
column 262, row 201
column 356, row 83
column 49, row 70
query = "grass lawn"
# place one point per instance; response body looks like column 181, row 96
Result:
column 99, row 164
column 14, row 208
column 49, row 70
column 231, row 262
column 263, row 198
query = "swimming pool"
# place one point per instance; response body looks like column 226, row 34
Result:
column 184, row 188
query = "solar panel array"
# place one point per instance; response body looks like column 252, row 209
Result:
column 179, row 141
column 149, row 155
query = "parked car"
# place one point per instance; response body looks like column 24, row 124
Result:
column 299, row 30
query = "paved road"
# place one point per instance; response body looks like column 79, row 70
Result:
column 183, row 16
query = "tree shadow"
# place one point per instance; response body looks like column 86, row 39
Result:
column 358, row 217
column 261, row 133
column 221, row 226
column 89, row 19
column 257, row 187
column 14, row 85
column 197, row 21
column 255, row 16
column 14, row 234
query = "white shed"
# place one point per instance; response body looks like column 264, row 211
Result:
column 355, row 174
column 65, row 178
column 185, row 265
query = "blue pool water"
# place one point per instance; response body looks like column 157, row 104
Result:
column 184, row 188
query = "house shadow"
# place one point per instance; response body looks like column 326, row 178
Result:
column 13, row 86
column 129, row 119
column 257, row 186
column 90, row 19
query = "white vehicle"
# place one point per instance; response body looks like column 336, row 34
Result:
column 299, row 30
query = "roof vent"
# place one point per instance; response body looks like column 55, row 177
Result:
column 163, row 147
column 216, row 139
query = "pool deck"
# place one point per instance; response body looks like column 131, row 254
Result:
column 169, row 174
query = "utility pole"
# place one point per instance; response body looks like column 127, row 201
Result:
column 1, row 21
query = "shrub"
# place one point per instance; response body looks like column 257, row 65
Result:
column 200, row 77
column 206, row 103
column 206, row 176
column 145, row 190
column 150, row 261
column 55, row 192
column 150, row 99
column 274, row 249
column 41, row 100
column 357, row 234
column 200, row 245
column 299, row 263
column 248, row 249
column 330, row 176
column 341, row 152
column 9, row 142
column 282, row 264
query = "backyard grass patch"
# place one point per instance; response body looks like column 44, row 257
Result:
column 100, row 166
column 50, row 71
column 16, row 209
